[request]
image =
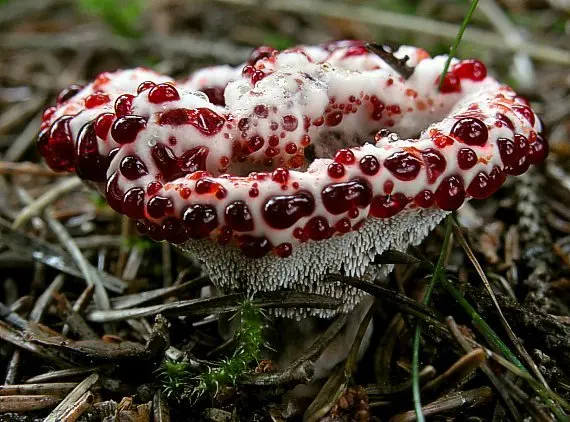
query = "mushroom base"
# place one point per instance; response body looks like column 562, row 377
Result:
column 351, row 254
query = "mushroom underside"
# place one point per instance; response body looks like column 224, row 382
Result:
column 305, row 270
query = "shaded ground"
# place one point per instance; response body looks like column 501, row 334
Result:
column 520, row 236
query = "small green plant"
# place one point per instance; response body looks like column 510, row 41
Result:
column 121, row 15
column 178, row 380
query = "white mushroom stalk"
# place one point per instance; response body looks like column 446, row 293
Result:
column 305, row 162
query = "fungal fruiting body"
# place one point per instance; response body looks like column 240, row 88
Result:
column 299, row 163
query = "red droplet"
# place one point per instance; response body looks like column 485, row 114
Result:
column 254, row 247
column 526, row 112
column 480, row 187
column 519, row 162
column 282, row 212
column 435, row 164
column 471, row 131
column 339, row 198
column 159, row 206
column 144, row 86
column 334, row 118
column 424, row 199
column 96, row 100
column 335, row 170
column 503, row 120
column 209, row 187
column 385, row 206
column 290, row 123
column 343, row 225
column 125, row 129
column 124, row 105
column 261, row 111
column 90, row 165
column 538, row 150
column 451, row 83
column 200, row 220
column 243, row 124
column 68, row 93
column 290, row 148
column 450, row 194
column 205, row 120
column 377, row 108
column 280, row 175
column 174, row 231
column 403, row 165
column 466, row 158
column 172, row 167
column 153, row 188
column 238, row 217
column 162, row 93
column 344, row 156
column 497, row 178
column 133, row 203
column 132, row 167
column 254, row 143
column 317, row 228
column 283, row 250
column 57, row 145
column 103, row 124
column 369, row 165
column 470, row 69
column 114, row 194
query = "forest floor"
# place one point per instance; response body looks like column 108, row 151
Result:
column 495, row 343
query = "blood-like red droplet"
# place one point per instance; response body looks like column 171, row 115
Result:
column 471, row 131
column 144, row 86
column 280, row 175
column 125, row 129
column 133, row 203
column 290, row 123
column 385, row 206
column 132, row 167
column 480, row 187
column 103, row 124
column 466, row 158
column 317, row 228
column 283, row 250
column 238, row 217
column 344, row 156
column 435, row 164
column 96, row 100
column 282, row 212
column 57, row 146
column 369, row 165
column 159, row 206
column 403, row 165
column 124, row 105
column 205, row 120
column 538, row 150
column 450, row 194
column 339, row 198
column 335, row 170
column 254, row 247
column 114, row 194
column 200, row 220
column 90, row 165
column 424, row 199
column 470, row 69
column 162, row 93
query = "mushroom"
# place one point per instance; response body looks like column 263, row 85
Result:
column 318, row 159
